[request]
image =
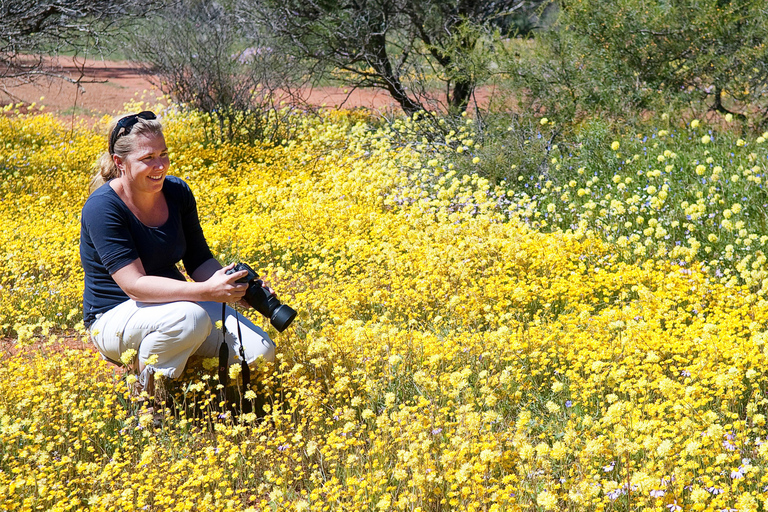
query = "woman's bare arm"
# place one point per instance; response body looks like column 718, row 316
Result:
column 216, row 287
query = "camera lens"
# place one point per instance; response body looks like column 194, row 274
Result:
column 282, row 317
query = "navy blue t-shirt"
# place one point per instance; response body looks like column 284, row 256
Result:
column 111, row 237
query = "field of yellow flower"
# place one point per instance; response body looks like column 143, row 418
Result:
column 459, row 345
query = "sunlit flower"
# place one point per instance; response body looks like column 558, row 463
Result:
column 546, row 500
column 128, row 356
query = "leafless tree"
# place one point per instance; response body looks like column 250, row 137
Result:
column 198, row 54
column 33, row 29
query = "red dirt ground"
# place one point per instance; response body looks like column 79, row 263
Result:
column 107, row 85
column 65, row 341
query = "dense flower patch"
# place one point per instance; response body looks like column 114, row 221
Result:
column 448, row 355
column 693, row 193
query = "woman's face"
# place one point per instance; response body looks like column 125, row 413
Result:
column 143, row 170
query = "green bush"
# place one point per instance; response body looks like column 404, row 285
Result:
column 626, row 57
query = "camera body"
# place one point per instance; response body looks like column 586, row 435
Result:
column 260, row 299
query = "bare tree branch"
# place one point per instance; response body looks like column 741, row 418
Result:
column 201, row 57
column 31, row 29
column 402, row 46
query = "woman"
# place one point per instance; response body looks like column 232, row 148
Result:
column 137, row 224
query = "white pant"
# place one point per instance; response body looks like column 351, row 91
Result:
column 173, row 332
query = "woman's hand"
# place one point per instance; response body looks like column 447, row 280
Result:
column 223, row 288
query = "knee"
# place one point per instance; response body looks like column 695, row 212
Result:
column 269, row 353
column 192, row 323
column 198, row 322
column 259, row 346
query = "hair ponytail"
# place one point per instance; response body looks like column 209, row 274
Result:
column 104, row 170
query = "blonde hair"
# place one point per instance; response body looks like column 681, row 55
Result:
column 105, row 168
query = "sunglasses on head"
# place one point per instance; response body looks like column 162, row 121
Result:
column 124, row 126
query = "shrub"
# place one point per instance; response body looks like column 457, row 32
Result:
column 201, row 57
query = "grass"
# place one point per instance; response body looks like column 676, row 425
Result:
column 76, row 110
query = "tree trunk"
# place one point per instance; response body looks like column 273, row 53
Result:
column 380, row 61
column 462, row 92
column 718, row 106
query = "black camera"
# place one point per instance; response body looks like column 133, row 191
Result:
column 260, row 299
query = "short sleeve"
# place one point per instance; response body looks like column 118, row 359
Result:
column 108, row 231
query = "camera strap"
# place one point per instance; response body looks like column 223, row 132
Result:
column 224, row 352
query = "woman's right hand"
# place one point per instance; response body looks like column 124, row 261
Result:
column 223, row 288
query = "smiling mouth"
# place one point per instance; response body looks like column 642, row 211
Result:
column 156, row 178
